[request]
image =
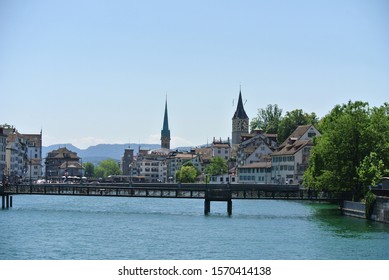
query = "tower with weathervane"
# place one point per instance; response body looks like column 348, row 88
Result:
column 240, row 122
column 165, row 132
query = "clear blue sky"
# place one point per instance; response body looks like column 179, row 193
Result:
column 90, row 72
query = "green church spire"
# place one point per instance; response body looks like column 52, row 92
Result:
column 165, row 132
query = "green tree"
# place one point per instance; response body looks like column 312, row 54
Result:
column 217, row 166
column 186, row 174
column 370, row 171
column 379, row 132
column 342, row 156
column 89, row 169
column 107, row 167
column 267, row 119
column 292, row 120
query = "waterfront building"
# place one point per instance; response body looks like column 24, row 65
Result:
column 290, row 159
column 221, row 148
column 177, row 159
column 222, row 179
column 255, row 173
column 3, row 148
column 20, row 154
column 165, row 132
column 240, row 122
column 62, row 163
column 127, row 161
column 34, row 156
column 253, row 161
column 150, row 165
column 16, row 156
column 256, row 147
column 203, row 159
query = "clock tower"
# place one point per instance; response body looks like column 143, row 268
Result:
column 240, row 122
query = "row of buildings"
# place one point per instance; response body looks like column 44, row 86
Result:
column 20, row 154
column 21, row 158
column 252, row 157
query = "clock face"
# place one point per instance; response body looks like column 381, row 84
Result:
column 240, row 125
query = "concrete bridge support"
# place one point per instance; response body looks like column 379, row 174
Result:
column 6, row 201
column 207, row 206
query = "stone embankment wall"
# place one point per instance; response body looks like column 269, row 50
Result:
column 357, row 209
column 354, row 209
column 381, row 210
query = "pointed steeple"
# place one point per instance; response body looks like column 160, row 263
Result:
column 165, row 132
column 165, row 119
column 240, row 113
column 240, row 122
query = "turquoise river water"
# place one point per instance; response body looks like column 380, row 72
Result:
column 74, row 228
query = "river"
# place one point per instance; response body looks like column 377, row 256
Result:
column 111, row 228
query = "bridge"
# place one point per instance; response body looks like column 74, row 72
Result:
column 206, row 192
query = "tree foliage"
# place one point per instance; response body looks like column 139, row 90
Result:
column 186, row 174
column 267, row 119
column 354, row 139
column 89, row 169
column 217, row 166
column 292, row 120
column 270, row 120
column 107, row 167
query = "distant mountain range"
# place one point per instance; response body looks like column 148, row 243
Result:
column 97, row 153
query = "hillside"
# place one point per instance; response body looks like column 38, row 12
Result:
column 100, row 152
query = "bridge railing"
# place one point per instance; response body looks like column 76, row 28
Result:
column 208, row 191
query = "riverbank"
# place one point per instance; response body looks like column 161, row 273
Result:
column 357, row 209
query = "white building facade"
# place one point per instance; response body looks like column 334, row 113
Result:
column 255, row 173
column 290, row 160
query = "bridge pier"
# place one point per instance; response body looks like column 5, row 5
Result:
column 6, row 201
column 229, row 207
column 207, row 206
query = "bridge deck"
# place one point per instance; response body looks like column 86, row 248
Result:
column 207, row 192
column 195, row 191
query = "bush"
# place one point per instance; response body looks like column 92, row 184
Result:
column 370, row 200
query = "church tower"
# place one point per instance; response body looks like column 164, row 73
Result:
column 240, row 122
column 165, row 132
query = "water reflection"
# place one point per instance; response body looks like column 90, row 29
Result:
column 330, row 218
